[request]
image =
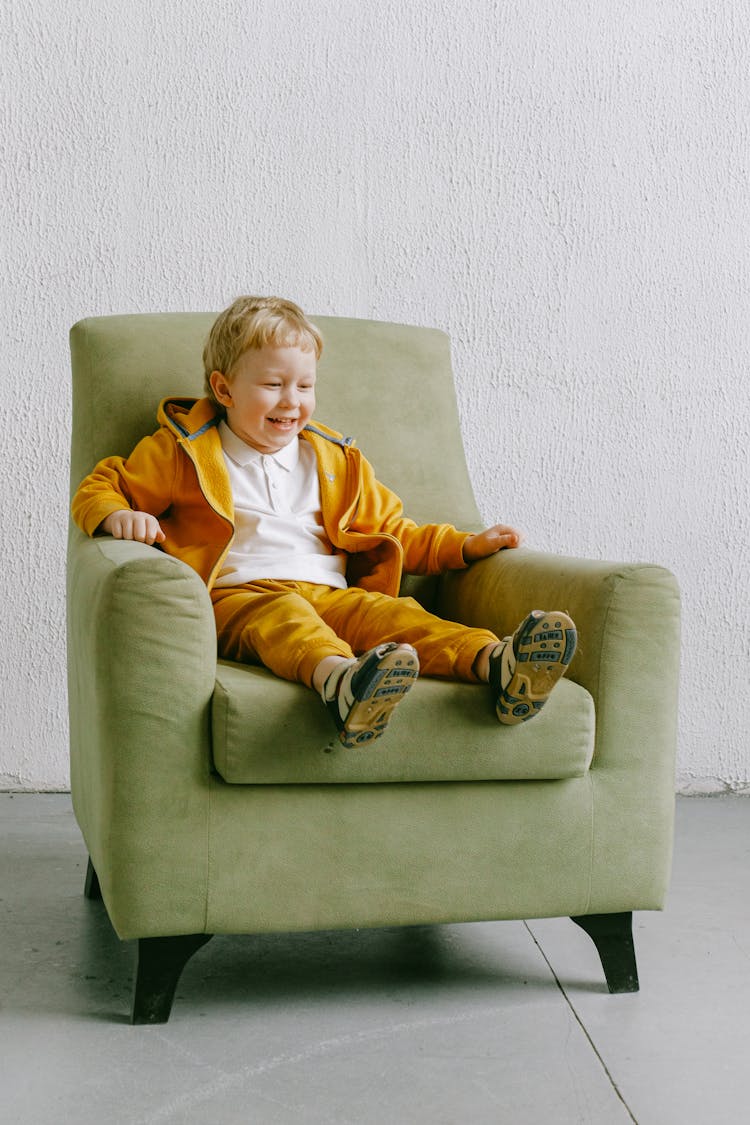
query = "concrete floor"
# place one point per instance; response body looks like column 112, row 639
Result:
column 484, row 1023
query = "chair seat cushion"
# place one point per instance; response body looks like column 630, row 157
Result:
column 267, row 731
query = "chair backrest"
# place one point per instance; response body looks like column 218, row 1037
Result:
column 390, row 386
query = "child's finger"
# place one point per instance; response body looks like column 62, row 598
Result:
column 152, row 530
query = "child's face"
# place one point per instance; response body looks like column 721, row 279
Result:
column 271, row 396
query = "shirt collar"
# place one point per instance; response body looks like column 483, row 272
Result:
column 243, row 454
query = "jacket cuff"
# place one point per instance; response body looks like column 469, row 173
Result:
column 88, row 519
column 452, row 548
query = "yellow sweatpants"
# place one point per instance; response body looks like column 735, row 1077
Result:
column 291, row 626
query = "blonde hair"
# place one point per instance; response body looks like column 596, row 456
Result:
column 253, row 322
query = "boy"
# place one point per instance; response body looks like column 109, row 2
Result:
column 301, row 547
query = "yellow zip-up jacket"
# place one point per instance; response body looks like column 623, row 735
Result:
column 178, row 474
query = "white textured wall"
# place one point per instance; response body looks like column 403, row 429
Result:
column 561, row 185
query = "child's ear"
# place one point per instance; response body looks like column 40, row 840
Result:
column 221, row 387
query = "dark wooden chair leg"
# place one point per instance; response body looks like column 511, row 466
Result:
column 91, row 887
column 160, row 963
column 612, row 934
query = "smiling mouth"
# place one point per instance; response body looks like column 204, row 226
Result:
column 283, row 421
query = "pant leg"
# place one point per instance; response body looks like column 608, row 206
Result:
column 365, row 619
column 272, row 622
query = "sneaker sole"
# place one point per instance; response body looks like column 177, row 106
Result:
column 380, row 689
column 543, row 647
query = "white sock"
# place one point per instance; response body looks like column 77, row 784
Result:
column 331, row 686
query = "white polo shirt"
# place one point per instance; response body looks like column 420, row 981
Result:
column 278, row 520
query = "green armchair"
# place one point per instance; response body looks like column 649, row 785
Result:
column 215, row 798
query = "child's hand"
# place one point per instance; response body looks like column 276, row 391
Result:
column 491, row 541
column 126, row 524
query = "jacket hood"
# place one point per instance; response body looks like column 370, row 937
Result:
column 188, row 417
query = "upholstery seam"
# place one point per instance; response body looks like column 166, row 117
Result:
column 209, row 800
column 112, row 597
column 226, row 702
column 208, row 851
column 616, row 579
column 592, row 817
column 599, row 708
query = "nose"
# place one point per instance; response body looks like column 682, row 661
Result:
column 289, row 396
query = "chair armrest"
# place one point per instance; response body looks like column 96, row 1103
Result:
column 627, row 616
column 141, row 667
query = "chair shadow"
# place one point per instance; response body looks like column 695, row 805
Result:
column 275, row 969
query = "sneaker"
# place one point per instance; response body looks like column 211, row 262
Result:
column 361, row 696
column 525, row 669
